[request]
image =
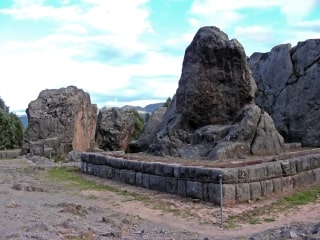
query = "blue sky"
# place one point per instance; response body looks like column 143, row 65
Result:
column 129, row 51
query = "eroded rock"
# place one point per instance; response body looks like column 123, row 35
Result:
column 213, row 114
column 115, row 129
column 288, row 89
column 60, row 120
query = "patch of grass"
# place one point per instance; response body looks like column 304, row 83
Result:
column 269, row 219
column 301, row 197
column 254, row 221
column 255, row 216
column 72, row 175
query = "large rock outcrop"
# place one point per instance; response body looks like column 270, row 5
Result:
column 60, row 120
column 213, row 114
column 115, row 129
column 288, row 81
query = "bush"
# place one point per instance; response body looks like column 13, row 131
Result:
column 138, row 124
column 11, row 129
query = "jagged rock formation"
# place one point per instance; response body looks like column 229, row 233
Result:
column 288, row 81
column 213, row 114
column 60, row 120
column 115, row 129
column 150, row 129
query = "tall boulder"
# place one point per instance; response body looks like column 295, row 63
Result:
column 115, row 129
column 288, row 81
column 60, row 120
column 213, row 114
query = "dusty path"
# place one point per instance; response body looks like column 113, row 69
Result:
column 33, row 206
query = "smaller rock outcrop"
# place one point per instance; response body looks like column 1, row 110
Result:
column 150, row 129
column 213, row 114
column 289, row 89
column 60, row 120
column 115, row 129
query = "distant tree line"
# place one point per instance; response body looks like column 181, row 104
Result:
column 11, row 129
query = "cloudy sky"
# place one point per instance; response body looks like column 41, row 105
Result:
column 129, row 51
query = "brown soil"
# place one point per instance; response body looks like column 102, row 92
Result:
column 35, row 207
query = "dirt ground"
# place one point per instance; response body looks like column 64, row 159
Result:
column 34, row 206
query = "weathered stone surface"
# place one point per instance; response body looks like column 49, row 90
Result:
column 115, row 129
column 60, row 120
column 151, row 129
column 215, row 82
column 288, row 89
column 212, row 115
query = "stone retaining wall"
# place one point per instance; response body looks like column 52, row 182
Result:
column 240, row 184
column 9, row 154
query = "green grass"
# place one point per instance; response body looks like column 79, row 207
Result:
column 302, row 197
column 73, row 176
column 257, row 215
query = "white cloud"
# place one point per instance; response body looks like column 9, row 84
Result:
column 227, row 11
column 254, row 33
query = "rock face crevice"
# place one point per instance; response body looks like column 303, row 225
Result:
column 288, row 89
column 60, row 120
column 213, row 114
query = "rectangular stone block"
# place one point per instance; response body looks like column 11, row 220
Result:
column 83, row 164
column 139, row 179
column 182, row 188
column 316, row 175
column 258, row 173
column 303, row 179
column 316, row 161
column 194, row 189
column 168, row 170
column 266, row 188
column 100, row 160
column 145, row 180
column 157, row 183
column 274, row 170
column 287, row 184
column 84, row 156
column 293, row 166
column 242, row 192
column 214, row 193
column 96, row 170
column 109, row 172
column 102, row 171
column 117, row 163
column 229, row 176
column 159, row 169
column 171, row 185
column 229, row 194
column 286, row 169
column 255, row 190
column 89, row 168
column 277, row 185
column 132, row 165
column 243, row 175
column 130, row 177
column 116, row 174
column 181, row 172
column 148, row 168
column 306, row 165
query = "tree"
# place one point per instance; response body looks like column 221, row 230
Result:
column 147, row 117
column 167, row 103
column 11, row 128
column 138, row 123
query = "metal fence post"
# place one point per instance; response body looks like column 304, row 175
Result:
column 221, row 199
